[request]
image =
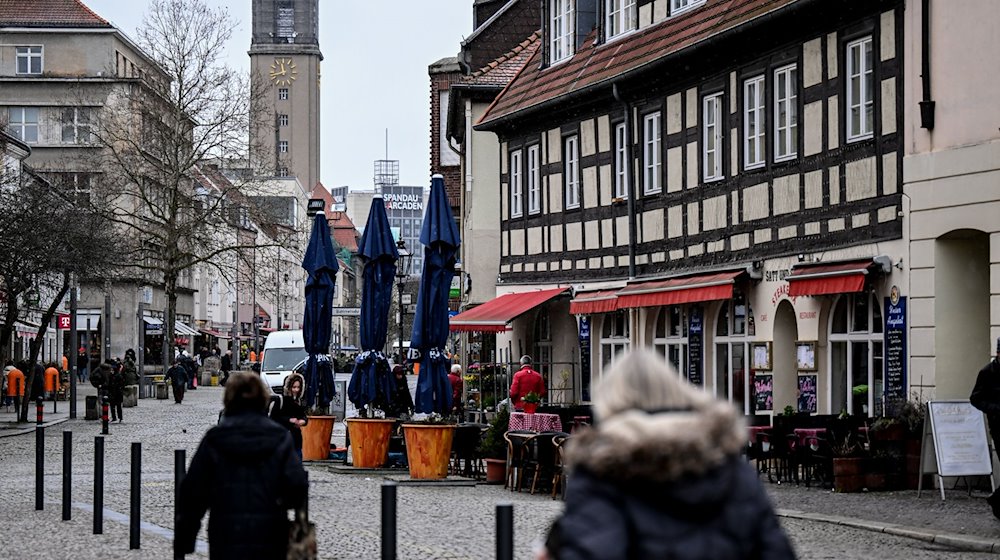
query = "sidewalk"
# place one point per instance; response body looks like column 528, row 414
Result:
column 9, row 426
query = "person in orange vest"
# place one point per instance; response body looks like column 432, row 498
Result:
column 253, row 357
column 51, row 380
column 65, row 363
column 15, row 384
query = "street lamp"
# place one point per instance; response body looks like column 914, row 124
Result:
column 401, row 273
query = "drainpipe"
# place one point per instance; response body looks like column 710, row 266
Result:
column 926, row 104
column 628, row 178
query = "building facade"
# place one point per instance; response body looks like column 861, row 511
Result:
column 721, row 182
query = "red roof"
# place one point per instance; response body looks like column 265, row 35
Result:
column 494, row 315
column 601, row 64
column 48, row 13
column 502, row 70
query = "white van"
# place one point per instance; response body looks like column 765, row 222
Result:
column 283, row 350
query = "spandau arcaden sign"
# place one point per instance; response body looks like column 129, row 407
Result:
column 403, row 202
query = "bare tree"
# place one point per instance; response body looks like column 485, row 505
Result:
column 157, row 132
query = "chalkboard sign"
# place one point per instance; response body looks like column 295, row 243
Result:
column 807, row 393
column 763, row 388
column 895, row 347
column 959, row 439
column 695, row 337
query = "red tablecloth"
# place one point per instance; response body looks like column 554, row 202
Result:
column 805, row 433
column 754, row 430
column 536, row 422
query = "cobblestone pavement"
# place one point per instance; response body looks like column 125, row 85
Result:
column 433, row 522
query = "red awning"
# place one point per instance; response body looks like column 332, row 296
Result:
column 494, row 315
column 214, row 333
column 589, row 303
column 675, row 291
column 822, row 279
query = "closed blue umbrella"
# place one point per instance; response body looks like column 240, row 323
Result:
column 440, row 238
column 371, row 381
column 320, row 262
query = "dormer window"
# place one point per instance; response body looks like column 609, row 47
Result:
column 560, row 30
column 680, row 6
column 620, row 19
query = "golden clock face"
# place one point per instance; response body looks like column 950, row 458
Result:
column 283, row 71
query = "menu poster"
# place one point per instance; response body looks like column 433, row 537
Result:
column 695, row 338
column 959, row 433
column 895, row 348
column 763, row 390
column 584, row 333
column 807, row 393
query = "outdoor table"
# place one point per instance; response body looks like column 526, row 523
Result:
column 804, row 434
column 754, row 430
column 536, row 422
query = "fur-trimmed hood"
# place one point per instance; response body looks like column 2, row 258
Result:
column 659, row 446
column 288, row 384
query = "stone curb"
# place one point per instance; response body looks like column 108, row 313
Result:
column 953, row 540
column 31, row 429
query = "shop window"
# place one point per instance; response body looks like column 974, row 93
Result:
column 731, row 381
column 670, row 336
column 614, row 338
column 856, row 357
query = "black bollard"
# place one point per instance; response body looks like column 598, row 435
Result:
column 39, row 411
column 98, row 485
column 67, row 489
column 134, row 512
column 55, row 398
column 388, row 521
column 39, row 468
column 180, row 463
column 104, row 413
column 505, row 532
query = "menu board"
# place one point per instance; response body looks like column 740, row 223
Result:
column 895, row 348
column 695, row 337
column 584, row 334
column 807, row 393
column 763, row 390
column 959, row 433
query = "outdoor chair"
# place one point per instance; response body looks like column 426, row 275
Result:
column 465, row 457
column 817, row 461
column 557, row 472
column 518, row 447
column 541, row 460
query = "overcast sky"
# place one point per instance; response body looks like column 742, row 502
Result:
column 375, row 58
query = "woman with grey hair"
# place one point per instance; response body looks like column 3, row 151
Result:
column 660, row 476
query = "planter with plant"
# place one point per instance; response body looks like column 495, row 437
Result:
column 531, row 402
column 911, row 414
column 369, row 433
column 848, row 465
column 494, row 447
column 428, row 445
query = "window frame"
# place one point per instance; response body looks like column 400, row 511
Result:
column 652, row 149
column 76, row 125
column 757, row 107
column 283, row 146
column 617, row 11
column 283, row 119
column 28, row 56
column 718, row 172
column 871, row 339
column 621, row 162
column 283, row 94
column 791, row 140
column 571, row 172
column 680, row 6
column 533, row 174
column 867, row 97
column 23, row 124
column 516, row 185
column 561, row 45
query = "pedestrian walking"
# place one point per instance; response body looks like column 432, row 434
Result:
column 177, row 377
column 660, row 476
column 287, row 410
column 246, row 475
column 190, row 367
column 116, row 392
column 130, row 369
column 227, row 366
column 82, row 365
column 455, row 378
column 525, row 381
column 986, row 397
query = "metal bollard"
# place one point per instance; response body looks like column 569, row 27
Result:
column 39, row 411
column 388, row 521
column 180, row 463
column 67, row 482
column 39, row 468
column 98, row 485
column 134, row 510
column 505, row 532
column 55, row 397
column 104, row 413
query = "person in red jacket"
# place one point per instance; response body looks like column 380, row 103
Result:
column 525, row 381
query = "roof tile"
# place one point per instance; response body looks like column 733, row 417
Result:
column 48, row 13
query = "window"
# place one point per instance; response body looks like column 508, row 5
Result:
column 651, row 153
column 516, row 185
column 282, row 94
column 75, row 185
column 76, row 125
column 753, row 122
column 856, row 368
column 712, row 138
column 680, row 6
column 670, row 337
column 561, row 30
column 571, row 171
column 534, row 182
column 29, row 60
column 621, row 162
column 614, row 338
column 621, row 17
column 282, row 171
column 785, row 113
column 282, row 120
column 860, row 89
column 283, row 146
column 732, row 381
column 23, row 123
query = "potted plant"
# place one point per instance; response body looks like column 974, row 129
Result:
column 848, row 467
column 531, row 401
column 494, row 447
column 428, row 445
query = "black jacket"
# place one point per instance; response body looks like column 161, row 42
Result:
column 116, row 387
column 177, row 375
column 284, row 409
column 246, row 472
column 986, row 394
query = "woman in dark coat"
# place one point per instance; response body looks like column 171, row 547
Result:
column 660, row 476
column 116, row 392
column 247, row 474
column 288, row 411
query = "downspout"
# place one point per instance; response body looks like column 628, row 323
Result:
column 926, row 104
column 630, row 194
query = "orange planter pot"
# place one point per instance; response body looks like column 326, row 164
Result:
column 370, row 441
column 316, row 438
column 428, row 449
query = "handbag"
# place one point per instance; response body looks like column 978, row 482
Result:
column 301, row 537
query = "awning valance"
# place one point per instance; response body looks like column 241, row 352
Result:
column 182, row 328
column 833, row 278
column 494, row 315
column 589, row 303
column 216, row 334
column 676, row 291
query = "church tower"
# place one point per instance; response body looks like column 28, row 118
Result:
column 285, row 59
